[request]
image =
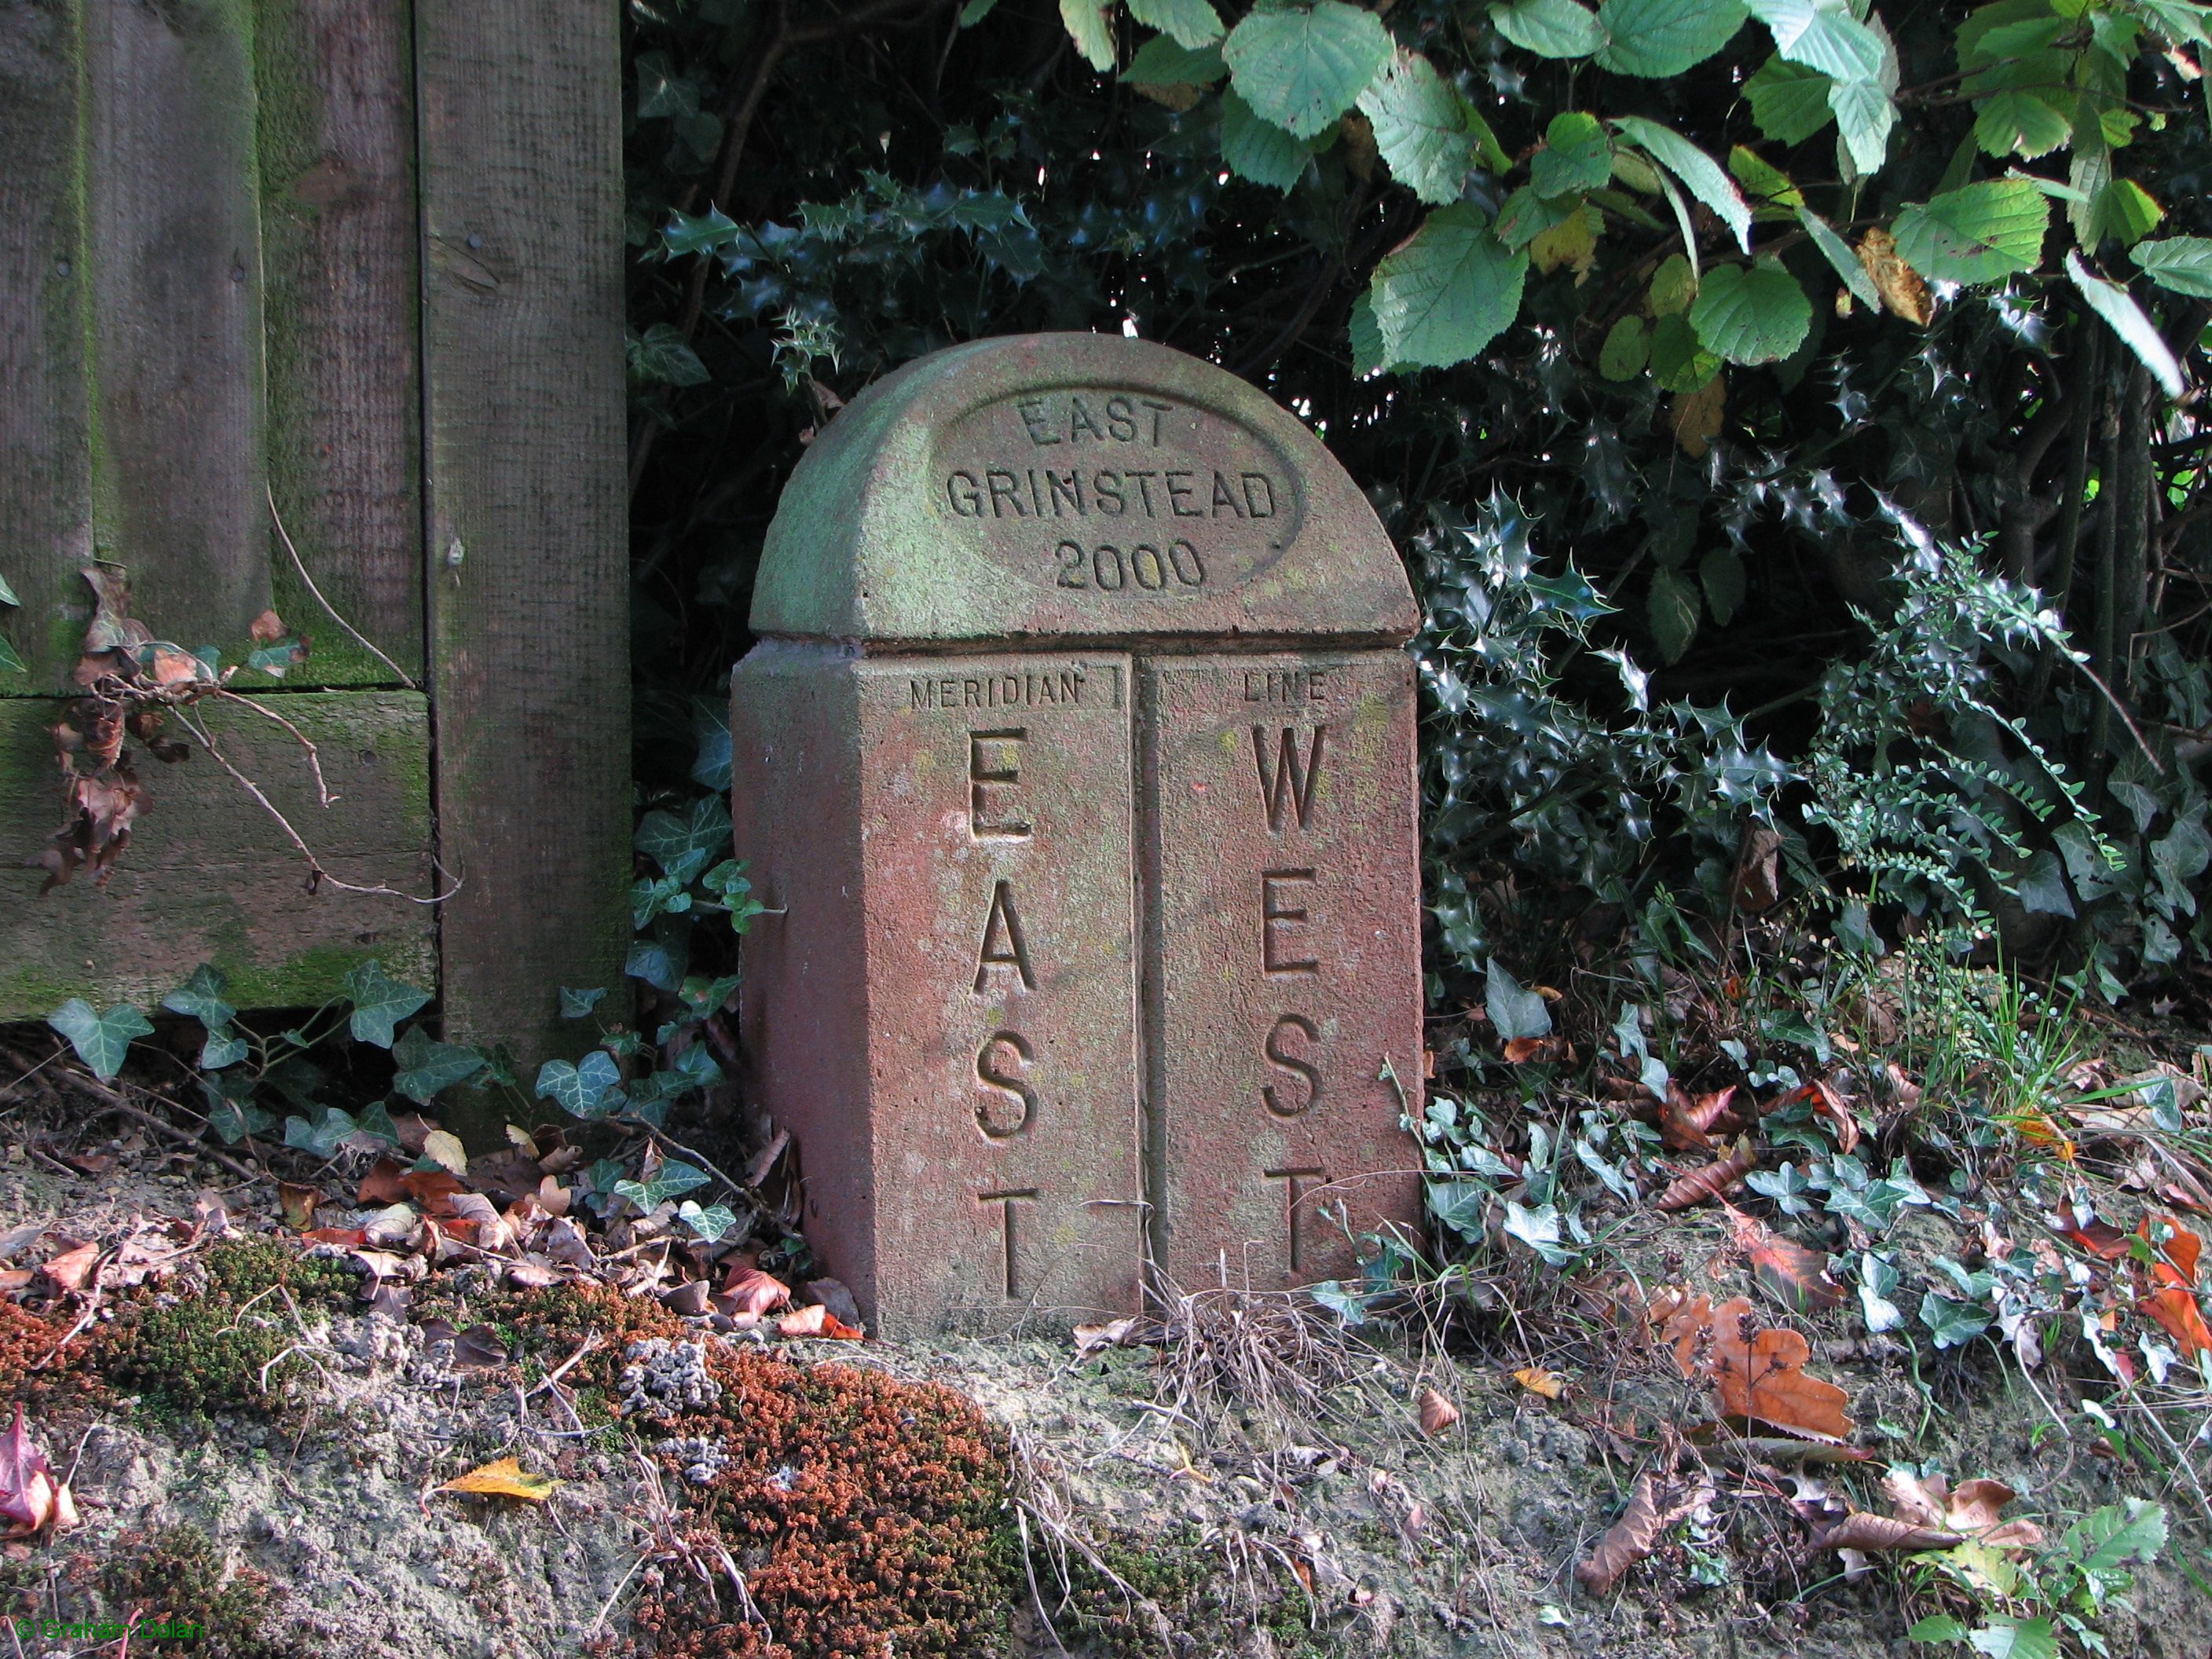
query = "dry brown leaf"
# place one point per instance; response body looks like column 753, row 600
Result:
column 2175, row 1310
column 1696, row 418
column 1974, row 1508
column 1709, row 1181
column 503, row 1478
column 1900, row 286
column 753, row 1290
column 382, row 1184
column 1679, row 1128
column 1652, row 1508
column 298, row 1203
column 443, row 1147
column 266, row 628
column 68, row 1269
column 1757, row 886
column 1861, row 1531
column 1760, row 1374
column 1437, row 1413
column 1096, row 1339
column 1520, row 1051
column 1822, row 1097
column 33, row 1497
column 553, row 1198
column 1537, row 1379
column 1798, row 1277
column 817, row 1321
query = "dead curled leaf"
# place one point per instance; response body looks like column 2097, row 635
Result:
column 1653, row 1507
column 1437, row 1413
column 817, row 1321
column 1709, row 1181
column 1971, row 1510
column 503, row 1478
column 753, row 1291
column 33, row 1497
column 1861, row 1531
column 1759, row 1374
column 1798, row 1277
column 1900, row 286
column 68, row 1269
column 1537, row 1379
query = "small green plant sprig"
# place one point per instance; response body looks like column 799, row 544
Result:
column 2051, row 1603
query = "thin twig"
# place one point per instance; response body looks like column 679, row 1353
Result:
column 112, row 1103
column 314, row 755
column 2119, row 708
column 317, row 873
column 359, row 638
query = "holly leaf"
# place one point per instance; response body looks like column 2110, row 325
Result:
column 1754, row 314
column 1982, row 233
column 1447, row 293
column 380, row 1003
column 200, row 998
column 702, row 233
column 1303, row 65
column 100, row 1039
column 1192, row 23
column 1660, row 39
column 427, row 1067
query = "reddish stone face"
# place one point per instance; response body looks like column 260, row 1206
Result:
column 1282, row 950
column 1079, row 756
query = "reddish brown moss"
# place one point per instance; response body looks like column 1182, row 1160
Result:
column 869, row 1515
column 34, row 1367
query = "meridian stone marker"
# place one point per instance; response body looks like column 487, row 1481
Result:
column 1076, row 754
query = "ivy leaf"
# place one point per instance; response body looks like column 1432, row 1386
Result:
column 578, row 1005
column 9, row 662
column 655, row 962
column 7, row 594
column 712, row 1224
column 683, row 844
column 1841, row 258
column 2118, row 307
column 1302, row 66
column 1259, row 150
column 1424, row 129
column 1981, row 233
column 2016, row 121
column 232, row 1119
column 101, row 1040
column 1575, row 156
column 200, row 998
column 1697, row 170
column 1550, row 28
column 1192, row 23
column 1092, row 30
column 1878, row 1282
column 427, row 1067
column 2183, row 264
column 321, row 1139
column 222, row 1048
column 1447, row 293
column 380, row 1003
column 1789, row 103
column 579, row 1090
column 670, row 1180
column 1659, row 39
column 661, row 356
column 1672, row 612
column 1754, row 314
column 1953, row 1324
column 1514, row 1010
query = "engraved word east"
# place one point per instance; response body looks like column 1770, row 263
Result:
column 1118, row 496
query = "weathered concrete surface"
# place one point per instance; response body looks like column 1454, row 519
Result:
column 1079, row 487
column 952, row 843
column 1283, row 952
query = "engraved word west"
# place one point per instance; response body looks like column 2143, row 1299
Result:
column 1097, row 490
column 1075, row 762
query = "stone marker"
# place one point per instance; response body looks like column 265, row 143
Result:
column 1077, row 755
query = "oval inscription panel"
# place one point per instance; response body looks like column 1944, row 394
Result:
column 1116, row 493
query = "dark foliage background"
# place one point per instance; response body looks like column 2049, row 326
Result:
column 1667, row 677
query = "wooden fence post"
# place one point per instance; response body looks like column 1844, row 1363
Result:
column 520, row 112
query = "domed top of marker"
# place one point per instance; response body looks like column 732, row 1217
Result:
column 1074, row 488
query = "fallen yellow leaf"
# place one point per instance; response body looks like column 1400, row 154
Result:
column 504, row 1478
column 1537, row 1379
column 442, row 1146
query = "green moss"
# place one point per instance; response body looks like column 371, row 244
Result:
column 209, row 1350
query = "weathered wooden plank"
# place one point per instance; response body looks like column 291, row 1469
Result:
column 208, row 876
column 45, row 482
column 521, row 179
column 336, row 138
column 174, row 249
